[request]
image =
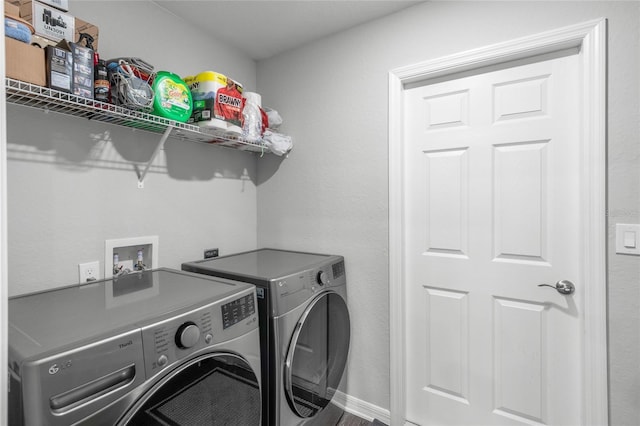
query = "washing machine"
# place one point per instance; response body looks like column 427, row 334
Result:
column 304, row 329
column 159, row 347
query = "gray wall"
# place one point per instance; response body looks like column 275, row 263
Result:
column 331, row 194
column 72, row 183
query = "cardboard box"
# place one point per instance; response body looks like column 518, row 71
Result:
column 24, row 62
column 59, row 67
column 11, row 9
column 24, row 6
column 58, row 4
column 52, row 23
column 42, row 42
column 79, row 26
column 86, row 28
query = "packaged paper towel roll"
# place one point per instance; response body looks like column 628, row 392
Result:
column 217, row 101
column 253, row 98
column 252, row 117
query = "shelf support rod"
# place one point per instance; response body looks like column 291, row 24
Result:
column 163, row 139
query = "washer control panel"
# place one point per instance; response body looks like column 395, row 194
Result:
column 173, row 339
column 238, row 310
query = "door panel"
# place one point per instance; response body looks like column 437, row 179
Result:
column 448, row 343
column 520, row 200
column 491, row 204
column 519, row 359
column 447, row 202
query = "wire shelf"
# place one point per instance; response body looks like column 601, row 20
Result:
column 34, row 96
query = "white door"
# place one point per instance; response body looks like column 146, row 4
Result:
column 491, row 205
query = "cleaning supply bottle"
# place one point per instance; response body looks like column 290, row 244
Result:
column 101, row 85
column 172, row 97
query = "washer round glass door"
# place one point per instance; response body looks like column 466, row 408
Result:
column 215, row 389
column 317, row 354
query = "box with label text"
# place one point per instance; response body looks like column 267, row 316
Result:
column 59, row 66
column 58, row 4
column 82, row 83
column 50, row 23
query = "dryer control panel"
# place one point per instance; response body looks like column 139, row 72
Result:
column 293, row 290
column 176, row 338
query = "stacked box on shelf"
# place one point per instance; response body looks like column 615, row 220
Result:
column 69, row 68
column 22, row 61
column 53, row 24
column 59, row 67
column 66, row 65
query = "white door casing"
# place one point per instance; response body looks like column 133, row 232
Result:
column 589, row 39
column 4, row 281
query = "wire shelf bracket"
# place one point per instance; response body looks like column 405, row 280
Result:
column 159, row 147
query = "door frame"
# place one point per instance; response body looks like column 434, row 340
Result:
column 4, row 277
column 590, row 38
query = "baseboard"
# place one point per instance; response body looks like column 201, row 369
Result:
column 361, row 408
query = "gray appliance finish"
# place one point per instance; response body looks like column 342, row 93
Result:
column 146, row 348
column 304, row 329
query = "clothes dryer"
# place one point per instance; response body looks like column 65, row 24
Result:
column 152, row 348
column 304, row 328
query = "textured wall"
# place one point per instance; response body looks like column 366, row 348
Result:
column 331, row 194
column 72, row 183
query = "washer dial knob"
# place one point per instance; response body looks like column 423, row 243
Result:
column 322, row 278
column 187, row 335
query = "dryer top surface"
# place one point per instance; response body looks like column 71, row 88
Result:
column 265, row 264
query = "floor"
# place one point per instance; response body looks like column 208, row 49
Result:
column 348, row 419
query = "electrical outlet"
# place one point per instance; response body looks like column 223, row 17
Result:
column 89, row 271
column 208, row 254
